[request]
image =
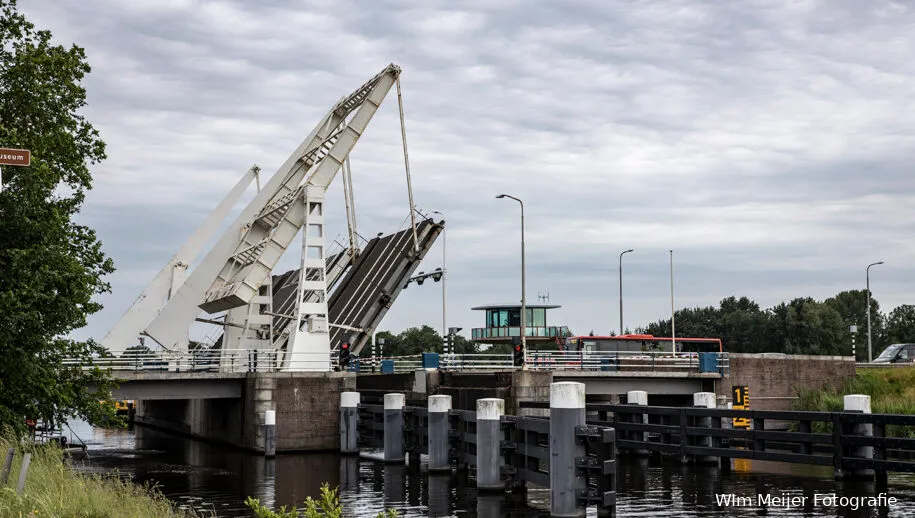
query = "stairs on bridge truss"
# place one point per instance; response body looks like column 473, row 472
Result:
column 362, row 292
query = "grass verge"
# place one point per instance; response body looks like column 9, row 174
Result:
column 892, row 391
column 53, row 490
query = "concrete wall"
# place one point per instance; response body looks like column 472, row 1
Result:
column 307, row 406
column 774, row 379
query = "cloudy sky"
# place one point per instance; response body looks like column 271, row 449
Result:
column 768, row 143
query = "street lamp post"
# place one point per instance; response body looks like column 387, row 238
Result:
column 523, row 299
column 870, row 354
column 621, row 287
column 673, row 329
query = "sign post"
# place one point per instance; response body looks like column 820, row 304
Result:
column 13, row 157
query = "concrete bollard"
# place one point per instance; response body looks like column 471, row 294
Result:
column 567, row 410
column 705, row 400
column 861, row 403
column 489, row 435
column 349, row 422
column 640, row 398
column 393, row 427
column 438, row 427
column 270, row 433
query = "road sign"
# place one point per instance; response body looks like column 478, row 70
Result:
column 741, row 401
column 20, row 157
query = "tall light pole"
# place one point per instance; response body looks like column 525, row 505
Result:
column 523, row 298
column 870, row 354
column 621, row 287
column 673, row 332
column 444, row 289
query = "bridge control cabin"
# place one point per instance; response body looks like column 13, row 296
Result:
column 503, row 322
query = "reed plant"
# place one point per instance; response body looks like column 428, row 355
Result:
column 328, row 506
column 892, row 391
column 54, row 490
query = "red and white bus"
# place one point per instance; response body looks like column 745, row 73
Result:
column 639, row 343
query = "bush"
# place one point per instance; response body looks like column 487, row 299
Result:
column 892, row 391
column 328, row 507
column 52, row 489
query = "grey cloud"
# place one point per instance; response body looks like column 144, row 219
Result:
column 768, row 144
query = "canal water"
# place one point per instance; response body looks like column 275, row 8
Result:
column 216, row 481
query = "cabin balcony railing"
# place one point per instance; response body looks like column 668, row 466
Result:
column 484, row 333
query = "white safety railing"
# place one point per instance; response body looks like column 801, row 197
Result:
column 254, row 360
column 622, row 361
column 215, row 360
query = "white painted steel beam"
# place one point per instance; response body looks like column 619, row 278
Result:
column 168, row 281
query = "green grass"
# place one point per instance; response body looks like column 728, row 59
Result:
column 892, row 391
column 53, row 490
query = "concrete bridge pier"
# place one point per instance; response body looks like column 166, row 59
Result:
column 233, row 408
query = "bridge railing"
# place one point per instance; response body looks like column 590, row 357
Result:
column 255, row 360
column 629, row 361
column 210, row 360
column 855, row 443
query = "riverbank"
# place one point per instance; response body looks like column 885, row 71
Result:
column 52, row 489
column 892, row 391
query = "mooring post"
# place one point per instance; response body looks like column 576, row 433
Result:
column 705, row 400
column 23, row 472
column 349, row 423
column 393, row 427
column 861, row 403
column 439, row 408
column 567, row 411
column 489, row 435
column 640, row 398
column 270, row 433
column 7, row 466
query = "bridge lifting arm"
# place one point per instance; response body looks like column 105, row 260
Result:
column 233, row 271
column 170, row 278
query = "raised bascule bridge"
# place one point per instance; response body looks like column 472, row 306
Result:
column 296, row 320
column 276, row 335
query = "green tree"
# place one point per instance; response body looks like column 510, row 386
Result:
column 852, row 306
column 900, row 325
column 464, row 346
column 50, row 267
column 417, row 340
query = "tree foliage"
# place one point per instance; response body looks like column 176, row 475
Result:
column 800, row 326
column 50, row 267
column 416, row 340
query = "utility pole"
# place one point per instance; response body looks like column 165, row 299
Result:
column 870, row 353
column 621, row 288
column 673, row 329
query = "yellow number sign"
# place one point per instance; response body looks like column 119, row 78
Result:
column 741, row 401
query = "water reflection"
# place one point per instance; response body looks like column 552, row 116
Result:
column 218, row 480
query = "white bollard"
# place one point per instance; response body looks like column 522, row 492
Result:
column 438, row 427
column 270, row 433
column 640, row 398
column 567, row 410
column 489, row 435
column 861, row 403
column 705, row 400
column 393, row 427
column 349, row 422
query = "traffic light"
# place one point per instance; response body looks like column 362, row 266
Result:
column 344, row 355
column 518, row 356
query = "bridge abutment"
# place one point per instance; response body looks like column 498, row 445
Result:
column 306, row 407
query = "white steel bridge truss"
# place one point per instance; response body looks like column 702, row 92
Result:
column 235, row 275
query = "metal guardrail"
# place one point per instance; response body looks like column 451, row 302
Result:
column 210, row 360
column 524, row 444
column 253, row 360
column 816, row 438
